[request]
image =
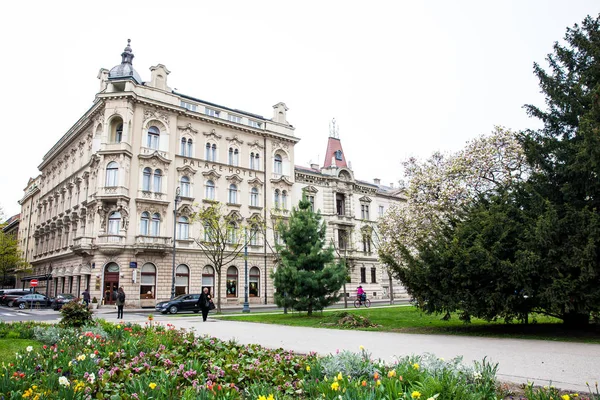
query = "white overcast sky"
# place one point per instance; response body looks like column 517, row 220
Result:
column 402, row 78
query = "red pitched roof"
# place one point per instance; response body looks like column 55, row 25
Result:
column 333, row 145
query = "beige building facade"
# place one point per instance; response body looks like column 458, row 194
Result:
column 101, row 214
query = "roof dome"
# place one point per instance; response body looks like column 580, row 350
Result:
column 125, row 69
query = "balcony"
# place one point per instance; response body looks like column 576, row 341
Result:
column 110, row 245
column 152, row 244
column 83, row 245
column 112, row 239
column 116, row 147
column 146, row 195
column 112, row 192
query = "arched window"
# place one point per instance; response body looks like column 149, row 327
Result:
column 114, row 223
column 185, row 186
column 153, row 137
column 208, row 278
column 148, row 281
column 232, row 281
column 144, row 223
column 119, row 133
column 155, row 228
column 254, row 197
column 183, row 146
column 232, row 194
column 207, row 155
column 183, row 225
column 211, row 152
column 254, row 282
column 232, row 233
column 112, row 174
column 278, row 164
column 189, row 148
column 252, row 160
column 146, row 179
column 210, row 190
column 157, row 181
column 230, row 160
column 284, row 200
column 277, row 200
column 256, row 162
column 182, row 279
column 236, row 157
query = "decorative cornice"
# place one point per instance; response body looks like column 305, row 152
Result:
column 235, row 139
column 212, row 133
column 310, row 189
column 364, row 199
column 234, row 178
column 212, row 173
column 188, row 129
column 156, row 155
column 255, row 181
column 186, row 168
column 282, row 179
column 256, row 143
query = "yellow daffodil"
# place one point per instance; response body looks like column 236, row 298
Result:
column 416, row 366
column 340, row 377
column 378, row 382
column 308, row 368
column 152, row 385
column 361, row 347
column 415, row 395
column 392, row 373
column 565, row 397
column 262, row 398
column 270, row 397
column 335, row 386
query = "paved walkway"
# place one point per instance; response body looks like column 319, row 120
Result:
column 565, row 365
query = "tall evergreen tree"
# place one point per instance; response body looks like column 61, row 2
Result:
column 565, row 155
column 307, row 278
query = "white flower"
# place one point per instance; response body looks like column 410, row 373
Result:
column 91, row 377
column 92, row 355
column 63, row 381
column 29, row 349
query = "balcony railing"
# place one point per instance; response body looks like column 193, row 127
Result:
column 153, row 240
column 144, row 194
column 111, row 239
column 114, row 191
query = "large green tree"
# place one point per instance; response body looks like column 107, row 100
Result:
column 565, row 155
column 307, row 279
column 11, row 260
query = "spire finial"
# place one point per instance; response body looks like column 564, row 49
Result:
column 334, row 130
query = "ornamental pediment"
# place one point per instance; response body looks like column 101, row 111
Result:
column 256, row 144
column 185, row 210
column 211, row 174
column 235, row 139
column 234, row 215
column 365, row 199
column 186, row 170
column 255, row 181
column 234, row 178
column 310, row 189
column 282, row 179
column 188, row 129
column 255, row 218
column 212, row 134
column 151, row 207
column 154, row 159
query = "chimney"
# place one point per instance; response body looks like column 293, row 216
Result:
column 377, row 181
column 392, row 185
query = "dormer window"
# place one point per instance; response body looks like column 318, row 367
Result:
column 234, row 118
column 254, row 124
column 212, row 113
column 338, row 155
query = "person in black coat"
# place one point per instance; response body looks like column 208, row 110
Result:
column 204, row 303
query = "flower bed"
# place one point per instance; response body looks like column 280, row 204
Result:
column 108, row 361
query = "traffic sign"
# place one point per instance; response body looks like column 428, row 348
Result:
column 33, row 283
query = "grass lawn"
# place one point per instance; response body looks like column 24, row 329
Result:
column 9, row 347
column 410, row 320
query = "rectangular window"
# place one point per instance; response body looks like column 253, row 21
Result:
column 339, row 203
column 234, row 118
column 373, row 275
column 212, row 113
column 363, row 275
column 189, row 106
column 342, row 239
column 311, row 200
column 381, row 211
column 254, row 124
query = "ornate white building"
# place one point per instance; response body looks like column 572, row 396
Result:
column 101, row 212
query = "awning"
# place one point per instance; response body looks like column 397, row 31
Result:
column 38, row 277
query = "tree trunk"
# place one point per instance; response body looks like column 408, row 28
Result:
column 345, row 297
column 309, row 310
column 391, row 287
column 219, row 290
column 573, row 319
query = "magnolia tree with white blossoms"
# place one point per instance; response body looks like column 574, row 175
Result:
column 441, row 187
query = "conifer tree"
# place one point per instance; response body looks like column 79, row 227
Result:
column 307, row 278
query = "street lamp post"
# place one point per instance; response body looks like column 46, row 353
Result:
column 177, row 199
column 246, row 308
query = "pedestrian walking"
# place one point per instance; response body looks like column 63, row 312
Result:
column 86, row 297
column 120, row 302
column 204, row 303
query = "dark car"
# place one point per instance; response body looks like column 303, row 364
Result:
column 62, row 299
column 9, row 296
column 32, row 300
column 184, row 302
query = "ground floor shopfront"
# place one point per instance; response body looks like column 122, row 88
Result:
column 149, row 280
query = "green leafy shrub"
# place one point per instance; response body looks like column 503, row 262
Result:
column 347, row 363
column 75, row 315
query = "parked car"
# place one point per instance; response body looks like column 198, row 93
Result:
column 32, row 300
column 184, row 302
column 62, row 299
column 9, row 296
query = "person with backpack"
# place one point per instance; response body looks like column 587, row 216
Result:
column 204, row 303
column 86, row 297
column 120, row 302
